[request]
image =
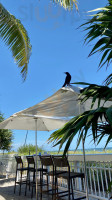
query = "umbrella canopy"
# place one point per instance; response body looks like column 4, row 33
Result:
column 27, row 122
column 63, row 103
column 52, row 113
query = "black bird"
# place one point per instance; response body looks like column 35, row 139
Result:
column 67, row 79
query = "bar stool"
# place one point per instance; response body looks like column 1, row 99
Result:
column 46, row 161
column 62, row 162
column 31, row 170
column 20, row 169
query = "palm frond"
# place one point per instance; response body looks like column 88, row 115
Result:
column 80, row 124
column 67, row 4
column 108, row 80
column 100, row 25
column 16, row 38
column 104, row 130
column 95, row 92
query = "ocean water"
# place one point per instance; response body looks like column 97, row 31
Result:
column 89, row 149
column 99, row 149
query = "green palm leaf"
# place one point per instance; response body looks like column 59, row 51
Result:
column 96, row 92
column 16, row 38
column 108, row 80
column 101, row 25
column 79, row 125
column 104, row 130
column 67, row 4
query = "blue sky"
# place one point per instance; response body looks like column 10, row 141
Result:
column 57, row 46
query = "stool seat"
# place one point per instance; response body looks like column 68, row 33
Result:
column 22, row 169
column 41, row 170
column 70, row 175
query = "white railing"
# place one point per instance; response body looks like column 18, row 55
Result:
column 99, row 173
column 7, row 165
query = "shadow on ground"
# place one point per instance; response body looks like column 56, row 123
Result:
column 7, row 191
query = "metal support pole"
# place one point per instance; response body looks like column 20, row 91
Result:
column 85, row 171
column 36, row 157
column 26, row 137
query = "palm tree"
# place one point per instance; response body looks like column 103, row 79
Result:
column 16, row 38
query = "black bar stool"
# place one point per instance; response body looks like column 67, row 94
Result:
column 46, row 161
column 31, row 171
column 62, row 162
column 20, row 169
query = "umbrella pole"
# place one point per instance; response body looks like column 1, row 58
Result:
column 36, row 156
column 85, row 171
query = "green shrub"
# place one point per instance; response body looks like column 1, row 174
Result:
column 29, row 149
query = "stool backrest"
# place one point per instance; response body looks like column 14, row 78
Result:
column 60, row 161
column 46, row 160
column 30, row 160
column 19, row 160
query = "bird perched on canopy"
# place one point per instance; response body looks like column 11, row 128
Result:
column 67, row 79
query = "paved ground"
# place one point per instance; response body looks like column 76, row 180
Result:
column 7, row 191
